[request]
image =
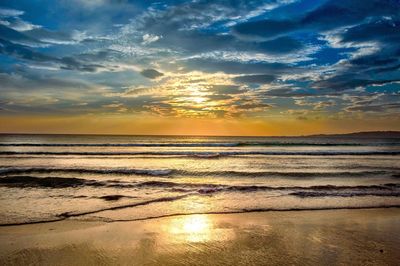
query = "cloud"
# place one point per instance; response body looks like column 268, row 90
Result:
column 389, row 107
column 330, row 15
column 23, row 52
column 18, row 24
column 252, row 106
column 257, row 79
column 30, row 92
column 53, row 37
column 181, row 27
column 149, row 38
column 349, row 81
column 324, row 104
column 385, row 33
column 226, row 89
column 12, row 35
column 151, row 73
column 235, row 67
column 26, row 53
column 281, row 45
column 382, row 29
column 202, row 14
column 27, row 81
column 265, row 29
column 202, row 58
column 194, row 42
column 8, row 12
column 288, row 92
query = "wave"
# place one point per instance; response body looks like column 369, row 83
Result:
column 284, row 174
column 207, row 154
column 48, row 182
column 314, row 194
column 388, row 189
column 191, row 144
column 126, row 171
column 179, row 173
column 113, row 197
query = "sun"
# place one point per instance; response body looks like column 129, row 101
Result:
column 198, row 100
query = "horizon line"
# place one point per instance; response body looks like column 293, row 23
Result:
column 195, row 135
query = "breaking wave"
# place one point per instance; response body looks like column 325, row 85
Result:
column 126, row 171
column 179, row 173
column 205, row 154
column 388, row 189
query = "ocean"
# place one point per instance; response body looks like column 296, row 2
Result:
column 121, row 178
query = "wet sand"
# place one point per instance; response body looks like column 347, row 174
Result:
column 329, row 237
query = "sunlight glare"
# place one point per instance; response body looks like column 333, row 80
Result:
column 193, row 228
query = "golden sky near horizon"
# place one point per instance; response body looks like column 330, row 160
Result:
column 187, row 126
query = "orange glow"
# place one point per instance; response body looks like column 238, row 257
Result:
column 153, row 125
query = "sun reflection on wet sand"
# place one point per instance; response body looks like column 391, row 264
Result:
column 193, row 228
column 336, row 237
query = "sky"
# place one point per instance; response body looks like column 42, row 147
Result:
column 204, row 67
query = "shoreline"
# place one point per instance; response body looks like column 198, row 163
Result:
column 67, row 216
column 324, row 237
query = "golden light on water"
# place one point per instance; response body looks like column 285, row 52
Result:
column 193, row 228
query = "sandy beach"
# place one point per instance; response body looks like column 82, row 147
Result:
column 328, row 237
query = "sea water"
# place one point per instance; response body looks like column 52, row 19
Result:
column 114, row 178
